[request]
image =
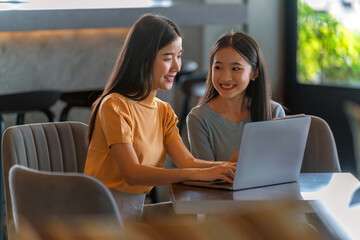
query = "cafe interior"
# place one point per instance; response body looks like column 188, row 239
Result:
column 55, row 59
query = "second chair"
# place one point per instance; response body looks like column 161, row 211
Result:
column 58, row 146
column 41, row 196
column 320, row 151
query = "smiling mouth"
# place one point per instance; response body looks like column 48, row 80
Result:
column 169, row 78
column 227, row 86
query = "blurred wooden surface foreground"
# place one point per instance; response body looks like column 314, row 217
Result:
column 277, row 222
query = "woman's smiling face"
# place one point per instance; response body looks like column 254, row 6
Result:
column 231, row 73
column 167, row 64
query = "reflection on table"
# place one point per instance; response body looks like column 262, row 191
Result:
column 333, row 196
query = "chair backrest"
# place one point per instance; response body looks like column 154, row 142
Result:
column 41, row 195
column 28, row 101
column 57, row 146
column 320, row 151
column 22, row 102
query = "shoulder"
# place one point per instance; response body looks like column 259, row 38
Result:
column 115, row 101
column 275, row 105
column 115, row 97
column 200, row 115
column 277, row 110
column 199, row 111
column 160, row 102
column 165, row 106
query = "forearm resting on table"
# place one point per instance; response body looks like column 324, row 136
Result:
column 198, row 163
column 184, row 159
column 154, row 176
column 136, row 174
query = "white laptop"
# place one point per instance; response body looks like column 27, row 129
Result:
column 271, row 152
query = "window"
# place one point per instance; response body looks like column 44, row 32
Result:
column 328, row 47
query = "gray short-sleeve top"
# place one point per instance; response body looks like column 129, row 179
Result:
column 213, row 137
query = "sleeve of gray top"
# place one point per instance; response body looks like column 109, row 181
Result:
column 277, row 110
column 198, row 137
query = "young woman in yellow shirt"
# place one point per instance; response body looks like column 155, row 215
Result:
column 131, row 131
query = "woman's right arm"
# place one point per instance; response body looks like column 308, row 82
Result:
column 136, row 174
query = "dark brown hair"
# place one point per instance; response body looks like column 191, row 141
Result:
column 131, row 76
column 258, row 91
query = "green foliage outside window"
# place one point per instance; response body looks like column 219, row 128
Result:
column 328, row 53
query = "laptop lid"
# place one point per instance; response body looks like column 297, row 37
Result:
column 271, row 152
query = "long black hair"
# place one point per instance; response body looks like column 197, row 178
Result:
column 131, row 76
column 258, row 91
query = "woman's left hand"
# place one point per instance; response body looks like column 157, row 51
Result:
column 228, row 163
column 234, row 157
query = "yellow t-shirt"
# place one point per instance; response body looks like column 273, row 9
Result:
column 148, row 125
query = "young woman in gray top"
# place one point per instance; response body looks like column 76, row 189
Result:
column 238, row 91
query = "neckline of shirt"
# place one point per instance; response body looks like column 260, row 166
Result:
column 221, row 119
column 149, row 101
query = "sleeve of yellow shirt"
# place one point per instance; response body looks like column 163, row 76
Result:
column 170, row 129
column 115, row 121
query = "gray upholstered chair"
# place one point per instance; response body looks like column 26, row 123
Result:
column 57, row 146
column 41, row 196
column 352, row 113
column 320, row 151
